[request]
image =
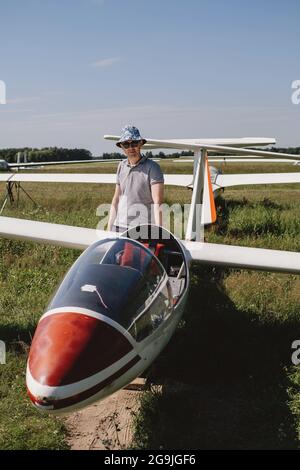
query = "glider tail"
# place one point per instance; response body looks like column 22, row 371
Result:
column 209, row 213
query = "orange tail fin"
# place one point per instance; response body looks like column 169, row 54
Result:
column 209, row 214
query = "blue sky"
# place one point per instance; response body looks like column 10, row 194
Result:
column 78, row 69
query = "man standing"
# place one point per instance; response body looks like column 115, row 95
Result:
column 140, row 186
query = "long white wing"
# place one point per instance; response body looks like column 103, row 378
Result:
column 233, row 142
column 186, row 144
column 51, row 234
column 243, row 257
column 208, row 253
column 174, row 180
column 223, row 181
column 237, row 159
column 68, row 162
column 220, row 181
column 59, row 177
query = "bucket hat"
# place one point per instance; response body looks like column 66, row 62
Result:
column 130, row 133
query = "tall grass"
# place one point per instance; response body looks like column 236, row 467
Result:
column 232, row 348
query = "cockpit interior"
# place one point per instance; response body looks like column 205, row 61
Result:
column 136, row 283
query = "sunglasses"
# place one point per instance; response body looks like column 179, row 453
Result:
column 132, row 144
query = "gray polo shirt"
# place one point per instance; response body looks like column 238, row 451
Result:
column 136, row 203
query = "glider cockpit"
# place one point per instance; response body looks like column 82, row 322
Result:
column 125, row 281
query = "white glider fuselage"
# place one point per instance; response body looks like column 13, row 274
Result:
column 114, row 312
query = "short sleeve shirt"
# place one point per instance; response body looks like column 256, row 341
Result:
column 135, row 185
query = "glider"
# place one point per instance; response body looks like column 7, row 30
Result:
column 120, row 303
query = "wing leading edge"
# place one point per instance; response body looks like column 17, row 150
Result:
column 51, row 234
column 108, row 178
column 233, row 142
column 224, row 181
column 207, row 253
column 260, row 259
column 60, row 162
column 194, row 144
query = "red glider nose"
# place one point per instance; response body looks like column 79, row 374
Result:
column 73, row 356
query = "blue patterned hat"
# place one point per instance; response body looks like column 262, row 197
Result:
column 130, row 133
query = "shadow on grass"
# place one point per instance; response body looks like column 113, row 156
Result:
column 17, row 338
column 234, row 367
column 224, row 207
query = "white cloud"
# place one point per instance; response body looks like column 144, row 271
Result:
column 106, row 62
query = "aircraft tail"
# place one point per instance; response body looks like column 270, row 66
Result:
column 209, row 213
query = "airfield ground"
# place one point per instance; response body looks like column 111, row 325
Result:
column 232, row 349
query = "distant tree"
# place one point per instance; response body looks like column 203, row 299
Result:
column 161, row 155
column 46, row 154
column 149, row 154
column 113, row 156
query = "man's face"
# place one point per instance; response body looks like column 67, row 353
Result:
column 132, row 148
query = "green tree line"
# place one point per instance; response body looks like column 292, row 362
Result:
column 53, row 154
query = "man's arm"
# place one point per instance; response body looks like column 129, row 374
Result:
column 157, row 191
column 114, row 207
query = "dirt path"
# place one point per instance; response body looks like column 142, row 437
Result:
column 106, row 424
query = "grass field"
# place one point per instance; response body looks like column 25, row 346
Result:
column 232, row 349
